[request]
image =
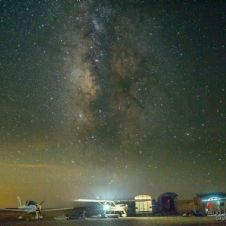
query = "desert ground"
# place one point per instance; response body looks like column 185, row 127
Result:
column 11, row 219
column 130, row 221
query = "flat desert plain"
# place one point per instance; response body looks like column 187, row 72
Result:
column 11, row 219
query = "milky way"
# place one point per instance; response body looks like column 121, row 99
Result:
column 113, row 99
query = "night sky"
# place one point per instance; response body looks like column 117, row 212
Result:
column 111, row 99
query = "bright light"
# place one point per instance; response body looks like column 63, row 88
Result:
column 211, row 199
column 106, row 207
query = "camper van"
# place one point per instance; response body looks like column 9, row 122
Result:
column 143, row 207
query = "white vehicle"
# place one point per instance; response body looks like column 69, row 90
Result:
column 144, row 207
column 31, row 207
column 111, row 206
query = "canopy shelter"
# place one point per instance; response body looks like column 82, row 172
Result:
column 167, row 203
column 210, row 203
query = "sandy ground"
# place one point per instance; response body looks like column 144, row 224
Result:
column 9, row 218
column 130, row 221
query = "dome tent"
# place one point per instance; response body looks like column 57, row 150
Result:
column 167, row 203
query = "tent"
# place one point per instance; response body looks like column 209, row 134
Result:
column 167, row 203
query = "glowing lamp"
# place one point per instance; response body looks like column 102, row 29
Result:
column 106, row 207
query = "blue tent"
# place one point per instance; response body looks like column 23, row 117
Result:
column 167, row 203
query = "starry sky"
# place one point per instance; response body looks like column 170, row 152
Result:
column 111, row 99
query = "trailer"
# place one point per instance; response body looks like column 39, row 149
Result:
column 145, row 207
